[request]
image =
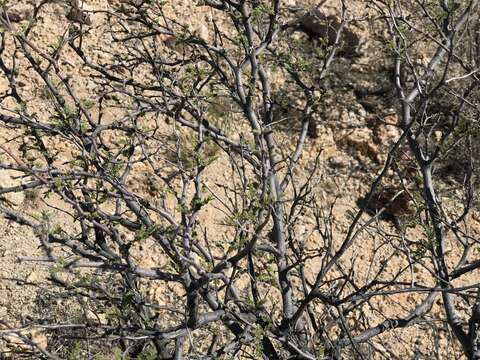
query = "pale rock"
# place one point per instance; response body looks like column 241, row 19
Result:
column 147, row 262
column 160, row 296
column 387, row 133
column 361, row 140
column 12, row 340
column 201, row 30
column 301, row 230
column 32, row 277
column 361, row 113
column 96, row 317
column 327, row 142
column 40, row 339
column 15, row 198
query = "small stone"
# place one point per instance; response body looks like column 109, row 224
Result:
column 338, row 162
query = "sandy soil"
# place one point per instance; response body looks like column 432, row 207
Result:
column 351, row 150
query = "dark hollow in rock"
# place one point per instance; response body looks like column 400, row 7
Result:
column 455, row 170
column 317, row 25
column 395, row 208
column 16, row 14
column 312, row 131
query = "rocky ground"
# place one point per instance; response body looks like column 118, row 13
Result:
column 355, row 127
